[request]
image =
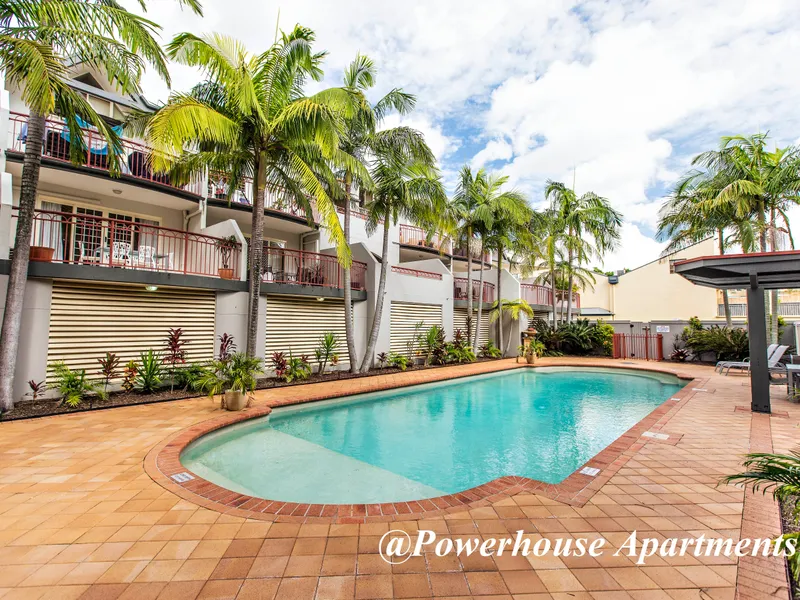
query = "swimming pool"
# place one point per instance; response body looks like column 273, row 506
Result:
column 430, row 440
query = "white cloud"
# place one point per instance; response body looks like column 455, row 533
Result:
column 494, row 150
column 441, row 144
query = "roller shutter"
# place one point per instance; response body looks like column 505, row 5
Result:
column 460, row 322
column 405, row 316
column 295, row 324
column 89, row 319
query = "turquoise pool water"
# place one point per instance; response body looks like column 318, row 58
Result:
column 430, row 440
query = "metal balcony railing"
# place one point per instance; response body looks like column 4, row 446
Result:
column 130, row 243
column 785, row 309
column 297, row 267
column 135, row 158
column 460, row 290
column 411, row 235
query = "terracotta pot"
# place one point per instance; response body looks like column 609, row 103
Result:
column 235, row 400
column 531, row 358
column 42, row 253
column 225, row 273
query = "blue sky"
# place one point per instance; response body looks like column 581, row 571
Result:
column 623, row 92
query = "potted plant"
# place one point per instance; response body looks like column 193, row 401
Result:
column 226, row 246
column 42, row 253
column 533, row 351
column 234, row 379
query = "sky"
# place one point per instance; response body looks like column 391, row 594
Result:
column 616, row 95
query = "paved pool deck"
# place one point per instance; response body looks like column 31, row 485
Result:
column 86, row 512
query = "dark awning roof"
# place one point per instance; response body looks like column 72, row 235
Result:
column 775, row 270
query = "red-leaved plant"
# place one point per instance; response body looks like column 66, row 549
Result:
column 174, row 352
column 108, row 368
column 227, row 347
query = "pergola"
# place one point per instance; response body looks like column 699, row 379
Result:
column 755, row 273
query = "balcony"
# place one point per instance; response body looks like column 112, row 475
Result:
column 134, row 160
column 82, row 239
column 411, row 235
column 785, row 309
column 460, row 286
column 476, row 255
column 536, row 294
column 297, row 267
column 274, row 200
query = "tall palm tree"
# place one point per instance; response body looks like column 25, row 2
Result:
column 356, row 139
column 747, row 181
column 249, row 119
column 465, row 209
column 406, row 184
column 508, row 215
column 591, row 228
column 38, row 41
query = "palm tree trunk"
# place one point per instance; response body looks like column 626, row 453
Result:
column 348, row 292
column 12, row 318
column 256, row 255
column 499, row 296
column 476, row 334
column 366, row 363
column 773, row 321
column 725, row 299
column 469, row 283
column 553, row 296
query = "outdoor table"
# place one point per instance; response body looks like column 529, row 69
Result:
column 792, row 371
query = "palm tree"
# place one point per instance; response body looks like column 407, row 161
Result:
column 513, row 309
column 38, row 42
column 356, row 139
column 591, row 228
column 508, row 215
column 406, row 184
column 249, row 119
column 465, row 210
column 746, row 182
column 683, row 222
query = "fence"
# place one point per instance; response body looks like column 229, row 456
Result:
column 128, row 242
column 134, row 158
column 460, row 290
column 298, row 267
column 642, row 347
column 416, row 236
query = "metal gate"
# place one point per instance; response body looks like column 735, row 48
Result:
column 642, row 347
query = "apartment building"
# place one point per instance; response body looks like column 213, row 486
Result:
column 118, row 260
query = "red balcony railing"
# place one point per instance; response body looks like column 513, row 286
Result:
column 536, row 294
column 134, row 159
column 416, row 273
column 460, row 290
column 561, row 298
column 411, row 235
column 476, row 255
column 130, row 243
column 283, row 265
column 274, row 199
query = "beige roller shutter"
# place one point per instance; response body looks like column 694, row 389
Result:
column 295, row 324
column 89, row 319
column 405, row 316
column 460, row 322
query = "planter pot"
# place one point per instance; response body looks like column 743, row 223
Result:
column 42, row 253
column 225, row 273
column 235, row 400
column 531, row 359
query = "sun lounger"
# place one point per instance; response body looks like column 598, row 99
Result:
column 773, row 364
column 723, row 363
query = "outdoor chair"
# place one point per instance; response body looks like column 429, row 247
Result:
column 146, row 257
column 773, row 363
column 723, row 363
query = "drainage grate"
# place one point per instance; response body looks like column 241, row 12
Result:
column 182, row 477
column 590, row 471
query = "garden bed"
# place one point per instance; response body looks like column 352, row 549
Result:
column 790, row 525
column 45, row 408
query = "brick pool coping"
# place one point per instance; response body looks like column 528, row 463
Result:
column 163, row 461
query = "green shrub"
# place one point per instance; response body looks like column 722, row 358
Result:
column 325, row 350
column 603, row 338
column 459, row 350
column 237, row 372
column 398, row 361
column 726, row 343
column 489, row 350
column 433, row 345
column 148, row 378
column 73, row 387
column 297, row 369
column 188, row 378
